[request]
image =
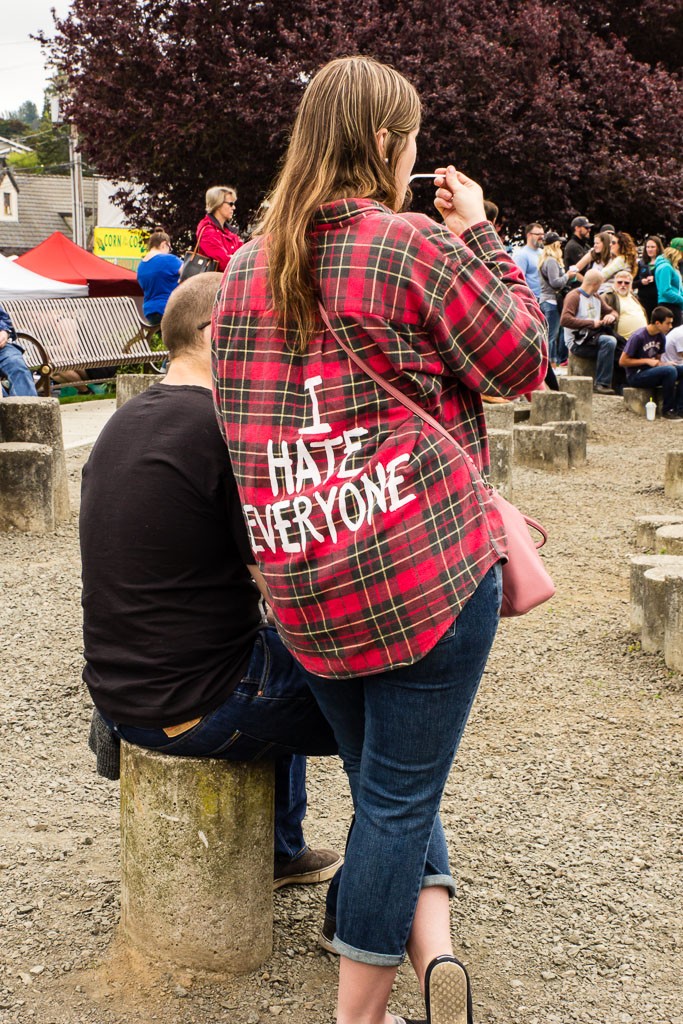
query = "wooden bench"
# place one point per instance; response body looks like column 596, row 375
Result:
column 80, row 334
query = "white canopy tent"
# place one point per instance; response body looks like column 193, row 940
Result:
column 19, row 283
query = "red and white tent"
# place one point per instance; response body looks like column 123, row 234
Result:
column 19, row 283
column 62, row 260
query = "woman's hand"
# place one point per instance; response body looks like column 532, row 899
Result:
column 459, row 200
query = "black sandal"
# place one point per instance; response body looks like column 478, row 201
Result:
column 448, row 994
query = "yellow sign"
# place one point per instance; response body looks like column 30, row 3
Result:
column 120, row 243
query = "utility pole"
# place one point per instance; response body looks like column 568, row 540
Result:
column 76, row 170
column 77, row 203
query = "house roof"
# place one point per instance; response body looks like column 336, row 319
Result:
column 44, row 206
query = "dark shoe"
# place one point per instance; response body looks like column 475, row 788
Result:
column 448, row 996
column 670, row 414
column 327, row 934
column 311, row 867
column 602, row 389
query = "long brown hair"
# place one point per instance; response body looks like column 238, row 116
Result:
column 628, row 251
column 333, row 154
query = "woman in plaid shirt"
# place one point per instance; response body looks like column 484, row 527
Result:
column 378, row 541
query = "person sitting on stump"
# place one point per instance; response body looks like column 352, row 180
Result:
column 642, row 360
column 178, row 656
column 589, row 323
column 12, row 363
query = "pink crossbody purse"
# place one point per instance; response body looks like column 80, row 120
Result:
column 526, row 582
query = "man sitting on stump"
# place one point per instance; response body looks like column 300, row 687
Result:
column 178, row 656
column 589, row 324
column 642, row 360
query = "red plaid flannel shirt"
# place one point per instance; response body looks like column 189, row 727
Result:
column 371, row 531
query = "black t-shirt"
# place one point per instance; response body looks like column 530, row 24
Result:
column 170, row 611
column 574, row 250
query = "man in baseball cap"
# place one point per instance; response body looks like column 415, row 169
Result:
column 579, row 243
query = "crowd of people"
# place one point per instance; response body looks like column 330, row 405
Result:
column 598, row 295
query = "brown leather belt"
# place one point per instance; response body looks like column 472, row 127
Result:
column 178, row 730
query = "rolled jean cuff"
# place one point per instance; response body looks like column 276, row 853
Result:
column 444, row 880
column 364, row 956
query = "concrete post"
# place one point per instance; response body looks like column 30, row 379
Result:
column 669, row 540
column 673, row 475
column 656, row 583
column 577, row 366
column 38, row 421
column 27, row 487
column 582, row 390
column 673, row 626
column 646, row 530
column 577, row 435
column 639, row 566
column 499, row 415
column 197, row 859
column 551, row 406
column 500, row 448
column 540, row 448
column 128, row 385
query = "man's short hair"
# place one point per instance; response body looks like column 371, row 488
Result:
column 659, row 314
column 491, row 210
column 530, row 227
column 189, row 307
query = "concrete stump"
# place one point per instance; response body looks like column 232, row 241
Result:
column 500, row 448
column 499, row 415
column 540, row 448
column 551, row 406
column 582, row 390
column 197, row 859
column 639, row 566
column 647, row 526
column 635, row 399
column 27, row 491
column 38, row 421
column 128, row 385
column 578, row 366
column 669, row 539
column 673, row 627
column 673, row 475
column 577, row 436
column 656, row 583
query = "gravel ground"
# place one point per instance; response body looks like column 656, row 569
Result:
column 563, row 810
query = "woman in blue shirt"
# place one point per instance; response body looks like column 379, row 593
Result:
column 158, row 275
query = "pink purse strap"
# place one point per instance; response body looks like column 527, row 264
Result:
column 413, row 407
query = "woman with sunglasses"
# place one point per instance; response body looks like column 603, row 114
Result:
column 214, row 238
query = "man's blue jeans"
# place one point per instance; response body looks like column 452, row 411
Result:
column 667, row 377
column 13, row 366
column 398, row 733
column 271, row 714
column 604, row 358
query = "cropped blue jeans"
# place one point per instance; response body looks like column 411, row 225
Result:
column 398, row 733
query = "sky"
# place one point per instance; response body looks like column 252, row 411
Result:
column 22, row 73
